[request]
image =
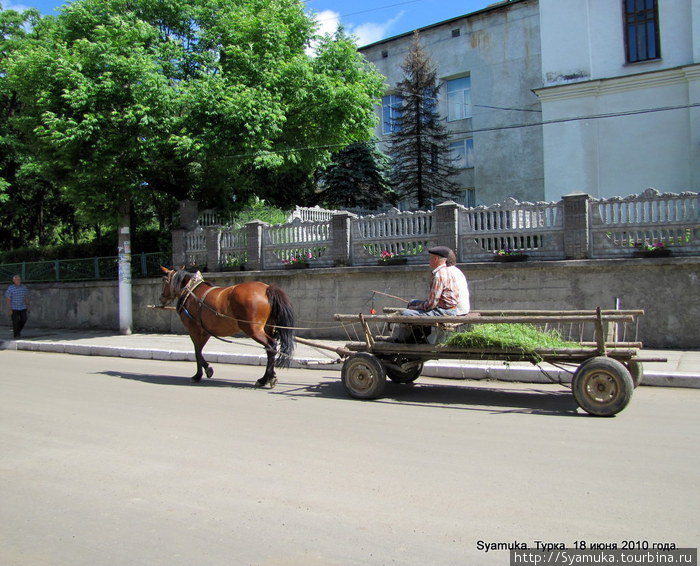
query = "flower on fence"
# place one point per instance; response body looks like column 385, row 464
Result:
column 387, row 255
column 299, row 259
column 508, row 252
column 647, row 247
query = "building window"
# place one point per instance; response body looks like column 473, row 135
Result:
column 391, row 111
column 469, row 198
column 462, row 153
column 642, row 30
column 459, row 99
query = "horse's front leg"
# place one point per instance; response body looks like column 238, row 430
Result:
column 203, row 366
column 269, row 377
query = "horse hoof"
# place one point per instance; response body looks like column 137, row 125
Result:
column 196, row 378
column 272, row 382
column 209, row 371
column 262, row 382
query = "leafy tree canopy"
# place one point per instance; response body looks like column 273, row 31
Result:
column 150, row 100
column 32, row 209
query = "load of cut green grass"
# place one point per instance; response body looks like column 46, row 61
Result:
column 522, row 337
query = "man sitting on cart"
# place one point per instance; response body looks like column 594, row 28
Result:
column 448, row 295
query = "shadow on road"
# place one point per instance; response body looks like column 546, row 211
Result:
column 533, row 400
column 175, row 380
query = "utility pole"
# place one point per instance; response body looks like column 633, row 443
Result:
column 124, row 247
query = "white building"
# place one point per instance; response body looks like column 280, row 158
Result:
column 621, row 96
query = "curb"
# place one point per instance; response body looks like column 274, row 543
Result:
column 551, row 375
column 511, row 373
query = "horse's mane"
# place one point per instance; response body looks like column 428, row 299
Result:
column 182, row 277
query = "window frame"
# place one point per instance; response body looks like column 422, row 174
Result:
column 466, row 99
column 469, row 197
column 389, row 125
column 467, row 148
column 638, row 21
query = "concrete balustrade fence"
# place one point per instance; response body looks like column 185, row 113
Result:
column 577, row 227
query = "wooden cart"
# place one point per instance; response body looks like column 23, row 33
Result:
column 607, row 370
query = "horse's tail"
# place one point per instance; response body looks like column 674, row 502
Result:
column 282, row 316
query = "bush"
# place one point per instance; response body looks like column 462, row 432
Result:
column 146, row 241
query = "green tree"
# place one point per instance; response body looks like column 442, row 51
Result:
column 32, row 210
column 422, row 169
column 356, row 178
column 141, row 103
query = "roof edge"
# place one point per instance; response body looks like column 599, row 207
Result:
column 490, row 8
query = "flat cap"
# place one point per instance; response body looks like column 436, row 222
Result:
column 442, row 251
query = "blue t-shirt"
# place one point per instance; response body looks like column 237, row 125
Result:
column 18, row 297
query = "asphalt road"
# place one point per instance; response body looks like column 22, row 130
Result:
column 108, row 461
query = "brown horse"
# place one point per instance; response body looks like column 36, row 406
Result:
column 262, row 311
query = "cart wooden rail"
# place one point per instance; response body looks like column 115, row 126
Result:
column 602, row 384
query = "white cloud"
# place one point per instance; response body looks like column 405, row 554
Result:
column 13, row 6
column 365, row 33
column 370, row 32
column 327, row 21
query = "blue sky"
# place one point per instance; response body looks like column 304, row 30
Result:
column 368, row 20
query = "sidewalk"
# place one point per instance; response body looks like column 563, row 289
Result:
column 682, row 368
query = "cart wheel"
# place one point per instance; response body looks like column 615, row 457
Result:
column 636, row 370
column 408, row 376
column 602, row 386
column 363, row 376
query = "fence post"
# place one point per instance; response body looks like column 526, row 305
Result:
column 179, row 255
column 576, row 226
column 446, row 221
column 57, row 270
column 254, row 248
column 340, row 237
column 212, row 237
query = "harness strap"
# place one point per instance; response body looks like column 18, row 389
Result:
column 188, row 292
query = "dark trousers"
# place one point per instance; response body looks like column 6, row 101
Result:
column 19, row 319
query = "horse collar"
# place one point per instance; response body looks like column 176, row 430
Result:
column 187, row 291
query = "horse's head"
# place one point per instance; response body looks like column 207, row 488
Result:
column 168, row 294
column 174, row 282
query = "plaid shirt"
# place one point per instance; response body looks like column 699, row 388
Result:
column 447, row 290
column 18, row 297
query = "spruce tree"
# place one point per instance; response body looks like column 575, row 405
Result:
column 422, row 169
column 356, row 178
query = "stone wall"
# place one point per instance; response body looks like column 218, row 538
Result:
column 666, row 288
